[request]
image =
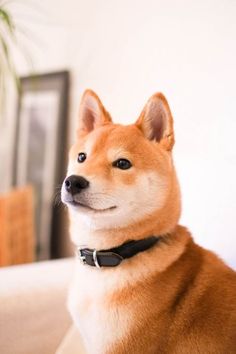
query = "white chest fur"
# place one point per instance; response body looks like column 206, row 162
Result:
column 100, row 322
column 101, row 318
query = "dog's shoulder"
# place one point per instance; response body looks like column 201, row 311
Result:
column 205, row 303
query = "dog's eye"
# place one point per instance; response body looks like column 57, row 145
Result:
column 123, row 164
column 81, row 157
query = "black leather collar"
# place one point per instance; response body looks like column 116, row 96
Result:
column 114, row 256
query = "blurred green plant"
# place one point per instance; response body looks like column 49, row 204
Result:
column 7, row 66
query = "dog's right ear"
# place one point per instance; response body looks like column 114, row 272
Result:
column 92, row 113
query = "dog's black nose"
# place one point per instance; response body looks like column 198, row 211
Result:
column 74, row 184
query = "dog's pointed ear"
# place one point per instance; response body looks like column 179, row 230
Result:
column 92, row 114
column 156, row 121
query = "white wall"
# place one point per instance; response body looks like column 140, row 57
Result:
column 128, row 49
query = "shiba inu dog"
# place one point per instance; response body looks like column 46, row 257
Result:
column 141, row 284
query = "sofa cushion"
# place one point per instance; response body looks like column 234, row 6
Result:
column 33, row 313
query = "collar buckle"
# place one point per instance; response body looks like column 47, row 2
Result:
column 80, row 256
column 95, row 259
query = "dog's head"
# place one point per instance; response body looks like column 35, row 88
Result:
column 121, row 176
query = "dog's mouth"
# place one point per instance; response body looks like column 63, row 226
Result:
column 77, row 204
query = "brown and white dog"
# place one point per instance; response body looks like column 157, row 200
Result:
column 168, row 296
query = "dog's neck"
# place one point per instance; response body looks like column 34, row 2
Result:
column 165, row 254
column 144, row 265
column 84, row 235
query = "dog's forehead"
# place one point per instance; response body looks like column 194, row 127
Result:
column 113, row 138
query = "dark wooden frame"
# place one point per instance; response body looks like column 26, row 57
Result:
column 57, row 82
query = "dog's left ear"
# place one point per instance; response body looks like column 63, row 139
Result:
column 156, row 121
column 92, row 113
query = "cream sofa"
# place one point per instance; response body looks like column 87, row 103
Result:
column 33, row 314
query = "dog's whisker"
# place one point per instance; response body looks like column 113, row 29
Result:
column 57, row 198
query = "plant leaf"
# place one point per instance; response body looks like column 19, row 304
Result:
column 6, row 18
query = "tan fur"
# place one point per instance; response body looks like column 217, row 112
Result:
column 174, row 298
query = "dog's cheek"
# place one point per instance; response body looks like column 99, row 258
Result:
column 148, row 192
column 156, row 191
column 123, row 178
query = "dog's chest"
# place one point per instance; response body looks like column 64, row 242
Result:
column 101, row 322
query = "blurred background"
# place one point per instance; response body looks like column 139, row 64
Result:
column 51, row 51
